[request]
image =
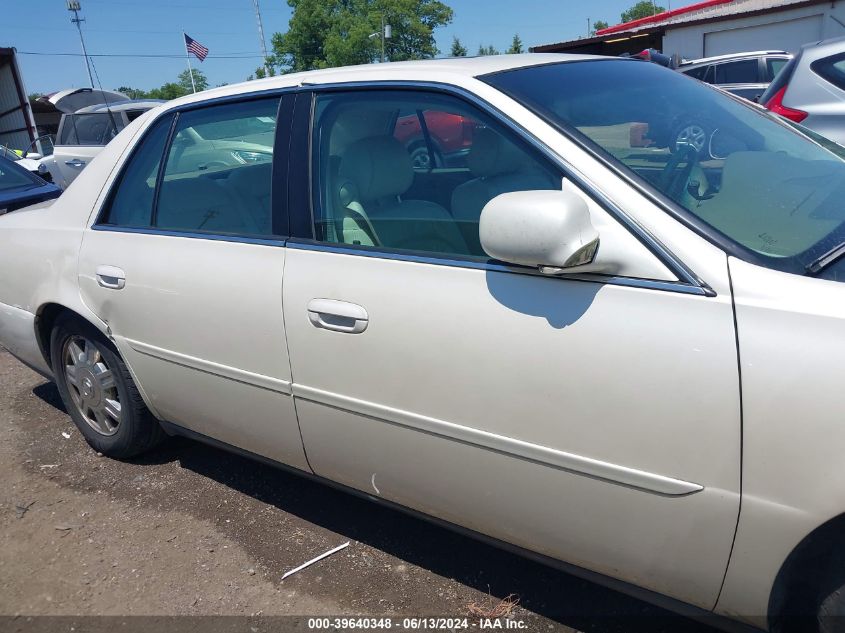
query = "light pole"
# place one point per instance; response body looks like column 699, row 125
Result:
column 385, row 34
column 75, row 7
column 261, row 35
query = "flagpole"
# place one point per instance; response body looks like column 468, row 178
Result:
column 188, row 59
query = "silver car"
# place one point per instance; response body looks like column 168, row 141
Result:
column 744, row 74
column 810, row 89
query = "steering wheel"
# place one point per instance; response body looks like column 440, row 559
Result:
column 673, row 181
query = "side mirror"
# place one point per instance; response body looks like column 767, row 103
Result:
column 34, row 156
column 550, row 230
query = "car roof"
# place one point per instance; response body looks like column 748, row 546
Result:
column 719, row 58
column 823, row 48
column 433, row 70
column 122, row 106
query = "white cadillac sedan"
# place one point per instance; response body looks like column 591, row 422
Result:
column 491, row 291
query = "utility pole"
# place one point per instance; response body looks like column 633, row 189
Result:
column 261, row 35
column 589, row 30
column 75, row 7
column 385, row 34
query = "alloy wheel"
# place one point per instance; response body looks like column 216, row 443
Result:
column 692, row 134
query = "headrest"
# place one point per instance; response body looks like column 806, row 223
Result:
column 378, row 166
column 492, row 154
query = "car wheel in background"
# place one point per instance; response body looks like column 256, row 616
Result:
column 693, row 133
column 421, row 159
column 98, row 391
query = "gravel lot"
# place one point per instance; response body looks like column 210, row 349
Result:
column 192, row 530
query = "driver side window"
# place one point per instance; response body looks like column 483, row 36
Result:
column 411, row 171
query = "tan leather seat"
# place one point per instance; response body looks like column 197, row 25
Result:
column 252, row 184
column 499, row 167
column 202, row 204
column 374, row 173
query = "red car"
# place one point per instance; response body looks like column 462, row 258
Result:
column 450, row 134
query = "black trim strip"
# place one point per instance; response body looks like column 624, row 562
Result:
column 162, row 165
column 219, row 237
column 456, row 261
column 299, row 170
column 281, row 159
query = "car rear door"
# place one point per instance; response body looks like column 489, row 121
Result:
column 81, row 137
column 593, row 420
column 184, row 263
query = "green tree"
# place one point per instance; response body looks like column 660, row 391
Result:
column 487, row 50
column 200, row 80
column 516, row 46
column 168, row 91
column 328, row 33
column 642, row 9
column 133, row 93
column 598, row 25
column 263, row 71
column 458, row 49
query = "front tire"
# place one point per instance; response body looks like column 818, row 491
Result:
column 98, row 391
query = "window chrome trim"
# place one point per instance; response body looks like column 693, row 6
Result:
column 496, row 266
column 686, row 276
column 278, row 241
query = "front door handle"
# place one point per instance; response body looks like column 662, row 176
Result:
column 111, row 277
column 340, row 316
column 75, row 162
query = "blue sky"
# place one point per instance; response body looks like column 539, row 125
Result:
column 227, row 28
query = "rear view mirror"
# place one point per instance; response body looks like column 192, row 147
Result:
column 550, row 230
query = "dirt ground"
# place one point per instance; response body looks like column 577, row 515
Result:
column 193, row 530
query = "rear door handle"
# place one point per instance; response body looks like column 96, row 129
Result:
column 75, row 162
column 340, row 316
column 111, row 277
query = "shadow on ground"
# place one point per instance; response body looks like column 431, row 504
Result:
column 550, row 593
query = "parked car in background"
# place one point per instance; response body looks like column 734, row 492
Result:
column 36, row 158
column 811, row 89
column 83, row 134
column 446, row 143
column 21, row 188
column 744, row 74
column 622, row 360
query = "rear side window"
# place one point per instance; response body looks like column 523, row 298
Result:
column 739, row 72
column 831, row 69
column 132, row 202
column 218, row 171
column 773, row 66
column 90, row 129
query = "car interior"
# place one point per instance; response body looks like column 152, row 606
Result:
column 217, row 175
column 369, row 192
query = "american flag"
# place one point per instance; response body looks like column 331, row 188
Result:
column 192, row 46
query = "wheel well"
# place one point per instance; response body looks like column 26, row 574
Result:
column 45, row 319
column 794, row 590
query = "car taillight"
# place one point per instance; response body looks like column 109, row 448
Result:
column 775, row 104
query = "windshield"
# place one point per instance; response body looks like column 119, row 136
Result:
column 767, row 187
column 15, row 177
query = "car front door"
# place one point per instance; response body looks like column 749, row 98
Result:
column 594, row 420
column 184, row 264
